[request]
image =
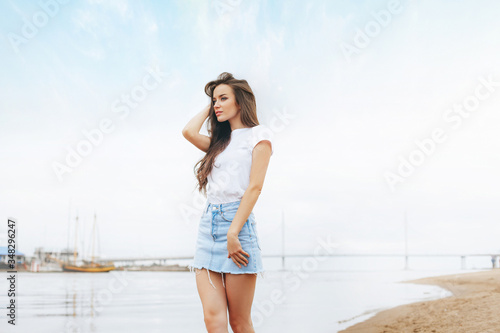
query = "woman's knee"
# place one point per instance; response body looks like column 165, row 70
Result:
column 215, row 322
column 240, row 324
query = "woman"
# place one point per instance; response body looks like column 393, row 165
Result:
column 231, row 174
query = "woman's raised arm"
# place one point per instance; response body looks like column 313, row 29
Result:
column 192, row 130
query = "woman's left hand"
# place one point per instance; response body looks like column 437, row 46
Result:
column 236, row 251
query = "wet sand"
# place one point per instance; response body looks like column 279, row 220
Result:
column 474, row 307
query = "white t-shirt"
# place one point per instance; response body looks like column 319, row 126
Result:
column 230, row 175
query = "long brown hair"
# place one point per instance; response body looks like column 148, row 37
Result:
column 220, row 132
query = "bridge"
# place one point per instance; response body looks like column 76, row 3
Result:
column 163, row 260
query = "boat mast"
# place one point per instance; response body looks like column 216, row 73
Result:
column 76, row 233
column 66, row 256
column 93, row 236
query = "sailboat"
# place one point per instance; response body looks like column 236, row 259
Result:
column 90, row 267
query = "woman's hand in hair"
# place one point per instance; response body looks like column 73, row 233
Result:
column 236, row 251
column 206, row 110
column 192, row 130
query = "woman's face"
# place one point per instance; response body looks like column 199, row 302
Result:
column 224, row 102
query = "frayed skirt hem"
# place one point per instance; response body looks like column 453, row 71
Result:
column 192, row 268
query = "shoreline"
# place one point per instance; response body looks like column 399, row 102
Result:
column 473, row 307
column 151, row 268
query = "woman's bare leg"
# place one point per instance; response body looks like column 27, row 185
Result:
column 240, row 290
column 214, row 301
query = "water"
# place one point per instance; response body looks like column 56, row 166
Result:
column 315, row 300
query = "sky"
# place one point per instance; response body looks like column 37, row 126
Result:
column 380, row 109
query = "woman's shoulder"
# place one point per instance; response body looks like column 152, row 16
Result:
column 262, row 130
column 259, row 133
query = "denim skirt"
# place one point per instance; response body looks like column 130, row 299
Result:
column 211, row 245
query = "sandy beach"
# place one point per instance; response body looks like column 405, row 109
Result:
column 473, row 308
